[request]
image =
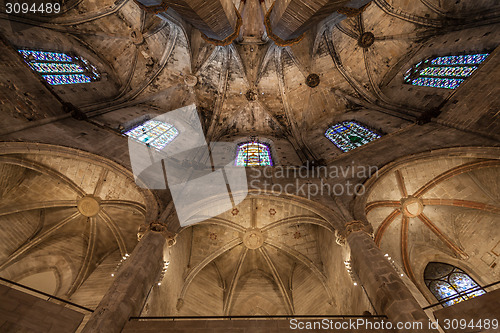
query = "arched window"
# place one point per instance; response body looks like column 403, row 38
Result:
column 60, row 68
column 444, row 72
column 253, row 154
column 349, row 135
column 154, row 133
column 450, row 284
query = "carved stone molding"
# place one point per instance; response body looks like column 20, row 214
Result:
column 313, row 80
column 191, row 80
column 137, row 37
column 357, row 226
column 366, row 40
column 251, row 95
column 160, row 228
column 351, row 227
column 339, row 238
column 253, row 239
column 412, row 207
column 89, row 205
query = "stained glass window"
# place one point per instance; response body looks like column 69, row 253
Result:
column 444, row 72
column 253, row 154
column 349, row 135
column 154, row 133
column 60, row 68
column 450, row 284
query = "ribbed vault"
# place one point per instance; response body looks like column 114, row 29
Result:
column 156, row 63
column 437, row 207
column 67, row 215
column 263, row 257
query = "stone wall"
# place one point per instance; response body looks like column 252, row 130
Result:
column 23, row 98
column 20, row 312
column 475, row 107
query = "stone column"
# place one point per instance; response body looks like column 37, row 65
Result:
column 386, row 290
column 152, row 6
column 289, row 19
column 218, row 20
column 129, row 290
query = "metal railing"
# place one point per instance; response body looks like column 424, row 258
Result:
column 285, row 317
column 49, row 296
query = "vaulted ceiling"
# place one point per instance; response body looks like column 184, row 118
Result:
column 252, row 87
column 438, row 209
column 63, row 215
column 267, row 256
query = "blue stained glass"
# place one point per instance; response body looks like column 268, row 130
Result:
column 443, row 290
column 349, row 135
column 154, row 133
column 165, row 139
column 45, row 56
column 60, row 68
column 446, row 281
column 50, row 67
column 437, row 83
column 462, row 282
column 66, row 79
column 447, row 72
column 253, row 154
column 460, row 71
column 471, row 59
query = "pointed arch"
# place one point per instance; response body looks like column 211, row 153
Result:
column 450, row 284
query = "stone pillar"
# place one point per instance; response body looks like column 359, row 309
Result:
column 218, row 20
column 129, row 290
column 386, row 290
column 288, row 20
column 152, row 6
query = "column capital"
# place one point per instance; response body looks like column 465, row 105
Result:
column 357, row 226
column 151, row 6
column 353, row 227
column 288, row 20
column 219, row 21
column 158, row 227
column 275, row 38
column 340, row 238
column 229, row 39
column 353, row 12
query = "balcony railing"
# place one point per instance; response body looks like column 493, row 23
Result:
column 285, row 317
column 47, row 296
